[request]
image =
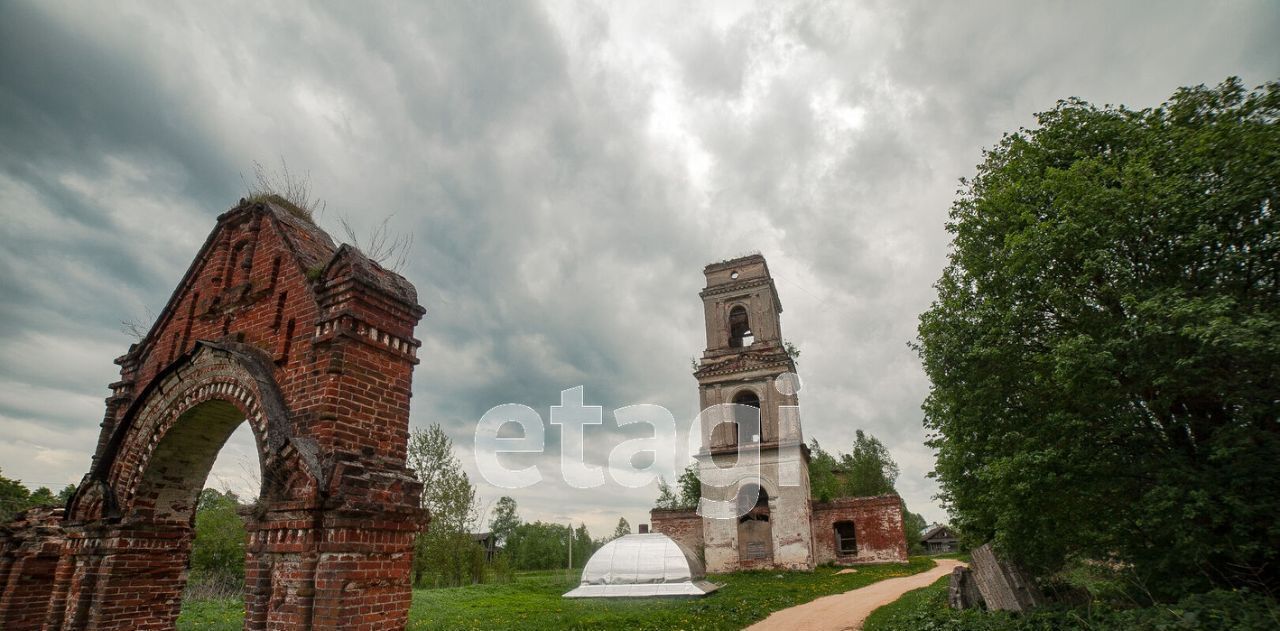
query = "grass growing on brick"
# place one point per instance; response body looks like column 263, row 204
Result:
column 532, row 602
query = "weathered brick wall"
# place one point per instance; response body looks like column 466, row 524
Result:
column 684, row 526
column 311, row 344
column 29, row 549
column 878, row 526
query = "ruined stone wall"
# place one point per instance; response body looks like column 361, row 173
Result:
column 684, row 526
column 878, row 526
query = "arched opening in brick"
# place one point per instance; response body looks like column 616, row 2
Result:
column 238, row 467
column 755, row 532
column 739, row 328
column 747, row 417
column 177, row 470
column 169, row 495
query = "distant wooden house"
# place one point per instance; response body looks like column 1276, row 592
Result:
column 938, row 539
column 487, row 541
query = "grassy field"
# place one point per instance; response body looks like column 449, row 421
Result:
column 532, row 602
column 1220, row 610
column 894, row 615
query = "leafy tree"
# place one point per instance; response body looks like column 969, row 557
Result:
column 446, row 555
column 1106, row 338
column 217, row 553
column 912, row 525
column 42, row 497
column 666, row 497
column 505, row 520
column 824, row 486
column 539, row 546
column 65, row 494
column 543, row 546
column 868, row 469
column 446, row 489
column 13, row 498
column 583, row 546
column 690, row 487
column 623, row 528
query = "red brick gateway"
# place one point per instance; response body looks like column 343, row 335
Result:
column 313, row 346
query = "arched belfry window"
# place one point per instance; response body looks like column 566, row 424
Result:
column 846, row 538
column 739, row 328
column 747, row 418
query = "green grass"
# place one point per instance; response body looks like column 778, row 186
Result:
column 1220, row 610
column 894, row 615
column 212, row 615
column 533, row 602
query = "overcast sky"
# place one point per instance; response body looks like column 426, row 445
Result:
column 565, row 172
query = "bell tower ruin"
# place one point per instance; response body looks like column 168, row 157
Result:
column 753, row 456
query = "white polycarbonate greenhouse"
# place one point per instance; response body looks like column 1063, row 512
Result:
column 642, row 565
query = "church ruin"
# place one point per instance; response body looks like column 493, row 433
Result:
column 312, row 345
column 753, row 453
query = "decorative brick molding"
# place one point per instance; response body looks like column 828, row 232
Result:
column 313, row 346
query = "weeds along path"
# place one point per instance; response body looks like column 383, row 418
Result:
column 847, row 611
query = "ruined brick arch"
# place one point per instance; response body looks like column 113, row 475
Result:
column 157, row 461
column 311, row 344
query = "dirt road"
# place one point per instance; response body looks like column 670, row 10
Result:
column 847, row 611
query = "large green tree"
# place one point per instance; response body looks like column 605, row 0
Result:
column 623, row 529
column 868, row 469
column 543, row 546
column 217, row 553
column 15, row 497
column 446, row 555
column 505, row 519
column 1105, row 345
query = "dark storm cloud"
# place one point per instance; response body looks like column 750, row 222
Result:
column 565, row 171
